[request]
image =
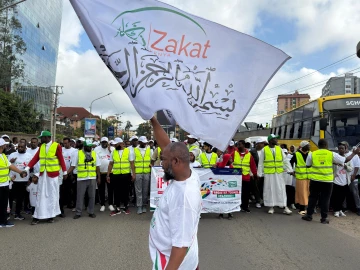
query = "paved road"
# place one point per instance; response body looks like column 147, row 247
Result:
column 250, row 241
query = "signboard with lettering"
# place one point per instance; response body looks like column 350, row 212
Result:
column 341, row 104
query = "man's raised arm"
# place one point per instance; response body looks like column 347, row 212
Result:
column 160, row 134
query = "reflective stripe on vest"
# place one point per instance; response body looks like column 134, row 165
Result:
column 208, row 163
column 322, row 166
column 49, row 160
column 301, row 172
column 88, row 169
column 142, row 163
column 121, row 165
column 4, row 169
column 243, row 163
column 273, row 164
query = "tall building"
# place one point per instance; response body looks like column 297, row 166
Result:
column 73, row 116
column 41, row 25
column 347, row 85
column 291, row 101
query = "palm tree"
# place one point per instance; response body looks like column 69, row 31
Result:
column 127, row 127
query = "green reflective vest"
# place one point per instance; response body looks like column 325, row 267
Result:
column 4, row 169
column 142, row 163
column 49, row 160
column 86, row 170
column 322, row 166
column 121, row 165
column 301, row 172
column 243, row 163
column 208, row 163
column 273, row 164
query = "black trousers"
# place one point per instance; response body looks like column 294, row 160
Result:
column 4, row 197
column 74, row 190
column 255, row 189
column 322, row 189
column 245, row 194
column 109, row 189
column 260, row 185
column 121, row 185
column 290, row 195
column 338, row 197
column 67, row 191
column 63, row 197
column 20, row 193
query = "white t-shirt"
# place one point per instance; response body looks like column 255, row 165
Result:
column 74, row 162
column 5, row 184
column 33, row 190
column 67, row 153
column 21, row 162
column 104, row 155
column 74, row 154
column 175, row 223
column 32, row 152
column 195, row 164
column 131, row 155
column 143, row 150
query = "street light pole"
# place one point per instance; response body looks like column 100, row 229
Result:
column 98, row 99
column 14, row 4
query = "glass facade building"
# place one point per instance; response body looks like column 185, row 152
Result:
column 41, row 25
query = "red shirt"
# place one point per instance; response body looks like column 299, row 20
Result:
column 60, row 157
column 252, row 165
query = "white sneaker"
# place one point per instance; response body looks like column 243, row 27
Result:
column 102, row 208
column 258, row 205
column 293, row 207
column 342, row 214
column 336, row 214
column 73, row 210
column 287, row 211
column 271, row 210
column 111, row 208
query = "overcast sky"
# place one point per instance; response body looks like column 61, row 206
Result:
column 315, row 33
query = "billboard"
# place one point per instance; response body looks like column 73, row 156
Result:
column 90, row 128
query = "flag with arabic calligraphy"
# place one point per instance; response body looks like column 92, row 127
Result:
column 204, row 75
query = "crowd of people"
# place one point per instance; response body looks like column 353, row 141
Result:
column 43, row 177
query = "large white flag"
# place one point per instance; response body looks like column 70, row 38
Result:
column 206, row 75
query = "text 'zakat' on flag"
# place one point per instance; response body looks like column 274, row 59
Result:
column 206, row 75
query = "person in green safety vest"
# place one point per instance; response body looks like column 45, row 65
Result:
column 321, row 174
column 272, row 162
column 88, row 163
column 208, row 159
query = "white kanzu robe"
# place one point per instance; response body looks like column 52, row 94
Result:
column 274, row 184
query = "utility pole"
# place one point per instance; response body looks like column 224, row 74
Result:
column 53, row 118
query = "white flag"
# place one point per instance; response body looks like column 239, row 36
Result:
column 206, row 75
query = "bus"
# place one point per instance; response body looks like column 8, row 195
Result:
column 334, row 118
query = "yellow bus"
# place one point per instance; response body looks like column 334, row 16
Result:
column 334, row 118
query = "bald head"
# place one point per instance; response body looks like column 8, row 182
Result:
column 178, row 150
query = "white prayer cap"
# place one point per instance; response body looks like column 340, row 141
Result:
column 5, row 136
column 134, row 138
column 231, row 143
column 82, row 139
column 143, row 139
column 104, row 139
column 304, row 143
column 118, row 140
column 174, row 140
column 2, row 142
column 192, row 137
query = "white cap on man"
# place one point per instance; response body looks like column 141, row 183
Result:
column 104, row 139
column 3, row 142
column 174, row 140
column 111, row 142
column 134, row 138
column 118, row 140
column 192, row 137
column 82, row 139
column 143, row 139
column 231, row 143
column 304, row 143
column 5, row 136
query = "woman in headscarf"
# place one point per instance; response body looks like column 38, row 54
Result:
column 292, row 150
column 193, row 162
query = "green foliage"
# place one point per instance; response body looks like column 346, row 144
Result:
column 144, row 129
column 11, row 47
column 17, row 115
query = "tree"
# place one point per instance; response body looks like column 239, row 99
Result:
column 127, row 127
column 17, row 115
column 144, row 129
column 11, row 47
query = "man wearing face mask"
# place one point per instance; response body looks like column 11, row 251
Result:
column 88, row 171
column 104, row 152
column 20, row 159
column 143, row 155
column 121, row 164
column 173, row 229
